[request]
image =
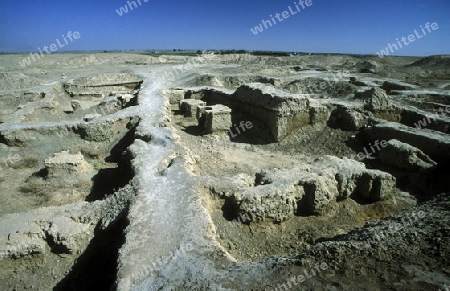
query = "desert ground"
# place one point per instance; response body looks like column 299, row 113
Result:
column 127, row 171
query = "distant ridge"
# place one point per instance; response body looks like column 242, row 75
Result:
column 433, row 61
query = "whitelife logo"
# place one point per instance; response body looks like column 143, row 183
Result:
column 285, row 14
column 10, row 160
column 53, row 48
column 244, row 127
column 442, row 113
column 411, row 39
column 124, row 10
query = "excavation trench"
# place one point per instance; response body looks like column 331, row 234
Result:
column 96, row 267
column 82, row 171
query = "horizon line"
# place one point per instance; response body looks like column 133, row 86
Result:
column 227, row 51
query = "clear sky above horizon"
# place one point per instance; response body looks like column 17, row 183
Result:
column 346, row 26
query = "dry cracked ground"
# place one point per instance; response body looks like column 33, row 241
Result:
column 224, row 172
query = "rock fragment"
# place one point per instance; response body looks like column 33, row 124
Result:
column 214, row 119
column 306, row 189
column 375, row 100
column 389, row 86
column 281, row 112
column 189, row 106
column 406, row 157
column 367, row 67
column 347, row 118
column 63, row 165
column 175, row 96
column 433, row 143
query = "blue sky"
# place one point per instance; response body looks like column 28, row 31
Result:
column 346, row 26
